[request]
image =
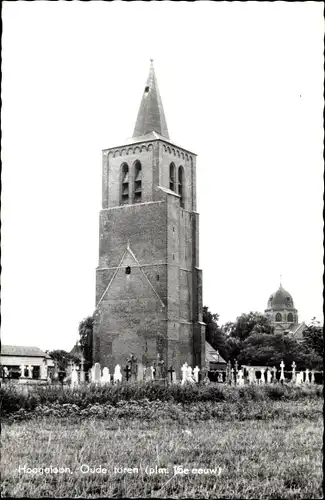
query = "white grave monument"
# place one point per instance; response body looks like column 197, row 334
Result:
column 117, row 377
column 282, row 365
column 184, row 371
column 262, row 376
column 196, row 374
column 74, row 377
column 307, row 381
column 22, row 371
column 97, row 373
column 106, row 378
column 293, row 366
column 268, row 376
column 240, row 377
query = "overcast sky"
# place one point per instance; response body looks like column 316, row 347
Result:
column 241, row 85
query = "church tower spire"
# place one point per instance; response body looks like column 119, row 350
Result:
column 151, row 116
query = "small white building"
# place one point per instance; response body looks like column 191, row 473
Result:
column 35, row 362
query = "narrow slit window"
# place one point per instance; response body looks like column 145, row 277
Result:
column 137, row 195
column 180, row 185
column 125, row 184
column 128, row 270
column 172, row 177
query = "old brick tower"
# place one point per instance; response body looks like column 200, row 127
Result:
column 148, row 284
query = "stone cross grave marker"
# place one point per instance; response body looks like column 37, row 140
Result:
column 196, row 374
column 232, row 377
column 127, row 370
column 307, row 381
column 282, row 365
column 117, row 377
column 22, row 371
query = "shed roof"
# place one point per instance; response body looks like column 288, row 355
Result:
column 20, row 350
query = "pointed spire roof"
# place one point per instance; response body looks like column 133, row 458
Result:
column 151, row 116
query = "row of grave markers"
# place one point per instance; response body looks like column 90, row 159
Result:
column 188, row 375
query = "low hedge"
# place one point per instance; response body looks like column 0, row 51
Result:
column 15, row 398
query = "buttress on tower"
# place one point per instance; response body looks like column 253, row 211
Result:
column 148, row 283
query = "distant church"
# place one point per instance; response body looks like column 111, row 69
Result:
column 283, row 315
column 148, row 281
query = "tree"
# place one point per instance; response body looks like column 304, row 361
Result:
column 214, row 334
column 63, row 358
column 314, row 339
column 85, row 329
column 248, row 324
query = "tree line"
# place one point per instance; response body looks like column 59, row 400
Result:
column 250, row 340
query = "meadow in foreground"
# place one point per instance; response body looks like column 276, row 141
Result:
column 261, row 449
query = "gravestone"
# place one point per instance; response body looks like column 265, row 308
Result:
column 56, row 371
column 106, row 378
column 5, row 372
column 282, row 365
column 251, row 376
column 140, row 372
column 262, row 380
column 196, row 374
column 117, row 377
column 274, row 370
column 30, row 371
column 97, row 373
column 184, row 373
column 82, row 371
column 74, row 377
column 240, row 377
column 299, row 378
column 22, row 371
column 268, row 376
column 132, row 363
column 171, row 372
column 220, row 378
column 232, row 375
column 293, row 366
column 307, row 381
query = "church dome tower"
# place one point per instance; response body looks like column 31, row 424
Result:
column 281, row 310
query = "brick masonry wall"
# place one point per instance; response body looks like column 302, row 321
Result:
column 131, row 316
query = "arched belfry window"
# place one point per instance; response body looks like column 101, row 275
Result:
column 290, row 318
column 125, row 184
column 278, row 317
column 172, row 183
column 137, row 182
column 181, row 185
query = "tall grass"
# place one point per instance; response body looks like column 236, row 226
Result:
column 14, row 399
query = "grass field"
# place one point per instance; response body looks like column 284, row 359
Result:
column 268, row 449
